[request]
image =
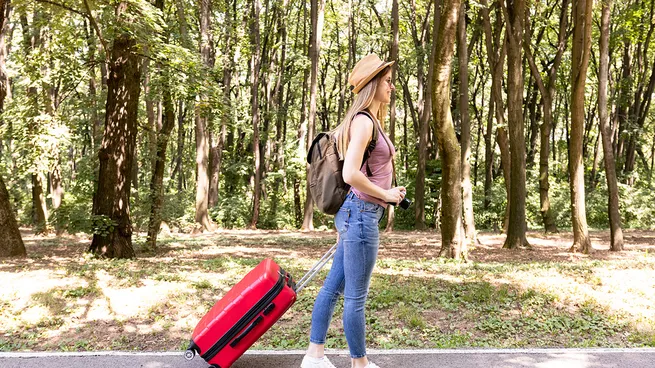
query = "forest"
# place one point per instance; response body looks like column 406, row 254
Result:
column 121, row 117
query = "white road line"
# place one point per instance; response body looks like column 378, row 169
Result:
column 340, row 352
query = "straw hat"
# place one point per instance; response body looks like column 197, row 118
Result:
column 365, row 70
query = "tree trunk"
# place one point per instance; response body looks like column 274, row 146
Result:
column 149, row 97
column 202, row 174
column 478, row 117
column 404, row 148
column 533, row 117
column 111, row 208
column 496, row 56
column 302, row 150
column 407, row 98
column 505, row 162
column 12, row 243
column 516, row 230
column 5, row 89
column 134, row 177
column 57, row 192
column 652, row 163
column 467, row 189
column 449, row 150
column 31, row 41
column 280, row 106
column 488, row 156
column 547, row 91
column 203, row 223
column 616, row 232
column 624, row 99
column 392, row 106
column 179, row 169
column 592, row 180
column 157, row 178
column 547, row 215
column 39, row 209
column 217, row 152
column 96, row 121
column 582, row 11
column 425, row 97
column 317, row 15
column 254, row 108
column 214, row 167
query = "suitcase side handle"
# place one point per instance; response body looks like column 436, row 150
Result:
column 246, row 331
column 309, row 276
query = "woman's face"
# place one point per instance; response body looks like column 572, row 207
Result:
column 384, row 89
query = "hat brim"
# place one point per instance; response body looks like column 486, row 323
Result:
column 365, row 81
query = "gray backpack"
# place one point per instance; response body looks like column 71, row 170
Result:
column 326, row 185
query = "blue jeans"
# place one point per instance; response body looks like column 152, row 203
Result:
column 350, row 275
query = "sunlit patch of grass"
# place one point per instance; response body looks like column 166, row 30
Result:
column 202, row 284
column 214, row 264
column 79, row 292
column 411, row 316
column 52, row 300
column 76, row 345
column 168, row 277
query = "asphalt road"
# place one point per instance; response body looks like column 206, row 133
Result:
column 539, row 358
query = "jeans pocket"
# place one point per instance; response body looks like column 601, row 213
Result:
column 370, row 220
column 365, row 206
column 342, row 220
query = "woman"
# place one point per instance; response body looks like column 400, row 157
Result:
column 358, row 218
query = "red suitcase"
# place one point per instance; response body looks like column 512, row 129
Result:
column 248, row 310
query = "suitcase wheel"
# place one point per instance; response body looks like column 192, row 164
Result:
column 189, row 354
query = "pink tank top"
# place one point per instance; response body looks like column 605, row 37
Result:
column 381, row 168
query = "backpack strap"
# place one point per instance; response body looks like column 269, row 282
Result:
column 316, row 146
column 371, row 146
column 372, row 143
column 374, row 136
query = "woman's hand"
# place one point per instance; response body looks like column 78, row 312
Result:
column 395, row 195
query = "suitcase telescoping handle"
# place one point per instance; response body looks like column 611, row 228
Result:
column 309, row 276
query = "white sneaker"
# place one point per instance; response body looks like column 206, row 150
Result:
column 309, row 362
column 372, row 365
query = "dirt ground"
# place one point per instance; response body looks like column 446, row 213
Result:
column 399, row 245
column 59, row 299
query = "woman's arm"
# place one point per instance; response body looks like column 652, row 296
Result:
column 361, row 131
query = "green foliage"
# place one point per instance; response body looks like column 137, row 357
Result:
column 102, row 225
column 636, row 206
column 69, row 57
column 494, row 216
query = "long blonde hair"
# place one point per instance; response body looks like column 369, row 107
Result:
column 362, row 101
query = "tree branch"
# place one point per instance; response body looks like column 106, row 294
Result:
column 533, row 66
column 62, row 6
column 165, row 63
column 562, row 36
column 95, row 26
column 508, row 24
column 377, row 14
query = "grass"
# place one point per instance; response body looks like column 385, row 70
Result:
column 59, row 298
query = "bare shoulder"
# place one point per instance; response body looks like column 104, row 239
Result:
column 362, row 123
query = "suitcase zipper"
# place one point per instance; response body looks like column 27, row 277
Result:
column 260, row 306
